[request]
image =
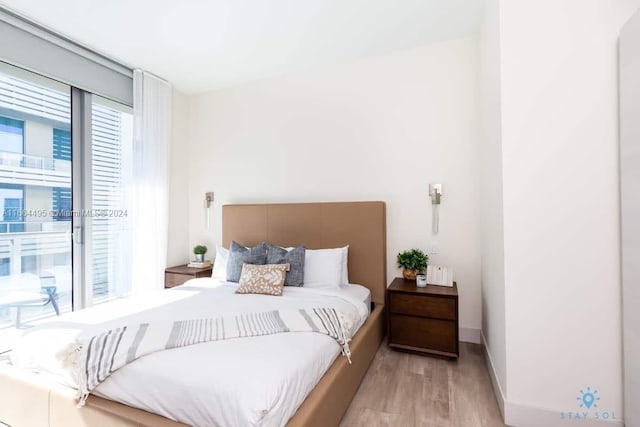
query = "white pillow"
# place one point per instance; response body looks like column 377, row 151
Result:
column 345, row 266
column 325, row 268
column 219, row 271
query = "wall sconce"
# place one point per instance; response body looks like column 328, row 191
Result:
column 435, row 192
column 208, row 200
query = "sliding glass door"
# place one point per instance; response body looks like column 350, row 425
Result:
column 65, row 167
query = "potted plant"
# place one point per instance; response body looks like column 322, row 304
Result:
column 199, row 251
column 413, row 262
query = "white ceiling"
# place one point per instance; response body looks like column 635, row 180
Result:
column 202, row 45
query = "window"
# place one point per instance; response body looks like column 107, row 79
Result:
column 5, row 264
column 61, row 203
column 11, row 135
column 12, row 204
column 11, row 196
column 61, row 144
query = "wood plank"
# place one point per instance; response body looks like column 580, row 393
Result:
column 402, row 389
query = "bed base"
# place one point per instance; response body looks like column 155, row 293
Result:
column 31, row 400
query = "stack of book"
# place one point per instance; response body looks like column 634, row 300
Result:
column 203, row 264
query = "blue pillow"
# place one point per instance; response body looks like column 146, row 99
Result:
column 239, row 255
column 295, row 259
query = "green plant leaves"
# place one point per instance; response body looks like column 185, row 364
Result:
column 200, row 249
column 413, row 259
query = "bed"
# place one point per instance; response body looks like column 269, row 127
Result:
column 30, row 399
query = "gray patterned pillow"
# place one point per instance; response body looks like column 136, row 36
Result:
column 294, row 257
column 239, row 255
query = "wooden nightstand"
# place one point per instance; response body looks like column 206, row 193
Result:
column 423, row 319
column 174, row 276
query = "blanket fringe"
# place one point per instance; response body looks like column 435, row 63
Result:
column 346, row 351
column 82, row 399
column 71, row 358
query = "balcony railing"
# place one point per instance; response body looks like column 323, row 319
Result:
column 16, row 168
column 50, row 242
column 15, row 246
column 22, row 228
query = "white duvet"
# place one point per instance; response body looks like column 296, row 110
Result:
column 257, row 381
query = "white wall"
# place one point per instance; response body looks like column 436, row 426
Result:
column 375, row 129
column 178, row 249
column 561, row 204
column 38, row 139
column 630, row 203
column 492, row 233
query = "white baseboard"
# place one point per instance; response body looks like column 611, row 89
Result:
column 497, row 390
column 470, row 335
column 519, row 415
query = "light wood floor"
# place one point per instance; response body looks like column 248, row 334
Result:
column 402, row 389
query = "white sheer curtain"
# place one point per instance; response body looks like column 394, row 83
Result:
column 150, row 191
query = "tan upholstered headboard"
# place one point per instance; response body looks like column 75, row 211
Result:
column 361, row 225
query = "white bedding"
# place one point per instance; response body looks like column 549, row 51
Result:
column 257, row 381
column 359, row 292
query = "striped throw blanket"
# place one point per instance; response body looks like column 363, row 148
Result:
column 92, row 360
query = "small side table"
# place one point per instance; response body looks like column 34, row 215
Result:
column 423, row 320
column 175, row 276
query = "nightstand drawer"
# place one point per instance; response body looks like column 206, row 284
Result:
column 424, row 306
column 422, row 333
